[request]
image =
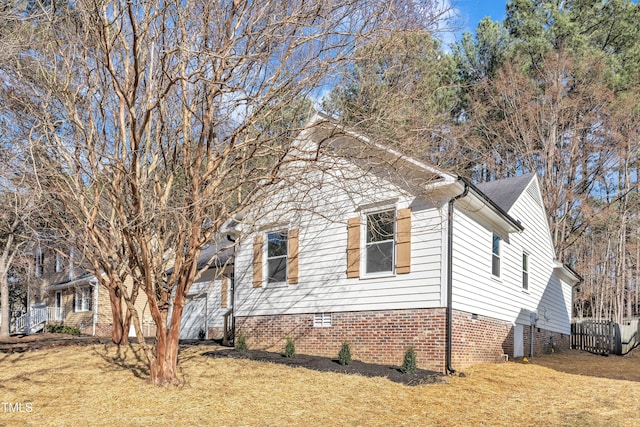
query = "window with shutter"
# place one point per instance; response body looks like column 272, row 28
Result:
column 387, row 243
column 280, row 255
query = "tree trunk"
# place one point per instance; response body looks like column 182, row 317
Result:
column 119, row 335
column 5, row 260
column 4, row 304
column 164, row 365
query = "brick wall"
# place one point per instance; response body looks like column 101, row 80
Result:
column 383, row 336
column 479, row 339
column 374, row 336
column 542, row 341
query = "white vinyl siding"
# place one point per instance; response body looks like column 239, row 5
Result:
column 476, row 292
column 323, row 284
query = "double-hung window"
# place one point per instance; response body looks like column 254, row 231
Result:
column 82, row 299
column 495, row 257
column 277, row 254
column 380, row 242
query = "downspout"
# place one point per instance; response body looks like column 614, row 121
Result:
column 95, row 306
column 233, row 288
column 450, row 370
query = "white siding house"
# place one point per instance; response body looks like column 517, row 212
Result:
column 211, row 296
column 353, row 245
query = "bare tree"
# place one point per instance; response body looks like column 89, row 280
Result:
column 156, row 123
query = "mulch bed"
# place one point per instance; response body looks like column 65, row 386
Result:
column 325, row 364
column 22, row 343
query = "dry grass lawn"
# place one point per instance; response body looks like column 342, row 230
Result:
column 96, row 385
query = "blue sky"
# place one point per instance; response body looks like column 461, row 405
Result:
column 472, row 11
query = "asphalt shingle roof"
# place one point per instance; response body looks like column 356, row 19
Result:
column 505, row 192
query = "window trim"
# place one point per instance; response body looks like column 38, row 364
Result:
column 496, row 267
column 59, row 263
column 365, row 245
column 39, row 262
column 526, row 271
column 79, row 298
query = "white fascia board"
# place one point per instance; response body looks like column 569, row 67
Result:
column 565, row 273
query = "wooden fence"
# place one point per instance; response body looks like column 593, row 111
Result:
column 596, row 336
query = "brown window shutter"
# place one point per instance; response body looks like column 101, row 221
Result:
column 353, row 247
column 292, row 273
column 224, row 296
column 257, row 261
column 403, row 242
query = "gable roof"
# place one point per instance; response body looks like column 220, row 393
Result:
column 505, row 192
column 410, row 173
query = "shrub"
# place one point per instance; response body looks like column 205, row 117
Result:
column 290, row 348
column 344, row 356
column 63, row 329
column 201, row 334
column 409, row 364
column 241, row 342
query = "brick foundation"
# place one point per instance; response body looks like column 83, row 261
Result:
column 542, row 341
column 374, row 336
column 102, row 330
column 479, row 339
column 383, row 336
column 216, row 333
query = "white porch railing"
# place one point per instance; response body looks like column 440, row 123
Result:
column 30, row 322
column 56, row 314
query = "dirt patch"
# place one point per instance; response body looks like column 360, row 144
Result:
column 325, row 364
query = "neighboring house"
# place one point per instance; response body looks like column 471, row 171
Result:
column 210, row 299
column 359, row 243
column 74, row 298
